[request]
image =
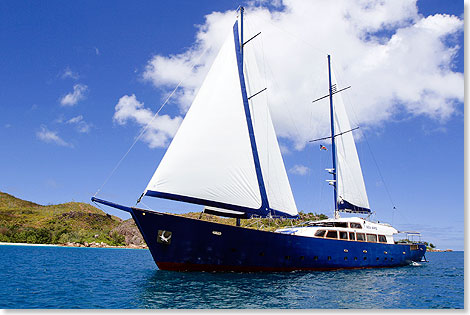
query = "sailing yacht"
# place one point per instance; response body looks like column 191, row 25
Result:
column 226, row 157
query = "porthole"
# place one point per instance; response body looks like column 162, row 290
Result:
column 355, row 258
column 287, row 257
column 315, row 257
column 329, row 257
column 377, row 258
column 302, row 257
column 261, row 254
column 365, row 258
column 345, row 258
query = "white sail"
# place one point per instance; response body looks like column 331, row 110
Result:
column 350, row 182
column 278, row 189
column 211, row 158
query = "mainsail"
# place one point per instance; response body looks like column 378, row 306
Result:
column 351, row 191
column 225, row 154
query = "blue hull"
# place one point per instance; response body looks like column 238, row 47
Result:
column 195, row 245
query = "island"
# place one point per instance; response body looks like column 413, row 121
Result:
column 80, row 224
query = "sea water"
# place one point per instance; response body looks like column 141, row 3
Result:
column 64, row 277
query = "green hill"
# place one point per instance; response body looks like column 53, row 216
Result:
column 27, row 222
column 24, row 221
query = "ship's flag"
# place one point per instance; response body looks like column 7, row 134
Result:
column 322, row 147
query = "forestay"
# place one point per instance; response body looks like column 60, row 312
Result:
column 211, row 160
column 351, row 191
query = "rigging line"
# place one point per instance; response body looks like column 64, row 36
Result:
column 380, row 173
column 272, row 73
column 294, row 36
column 370, row 150
column 148, row 207
column 284, row 100
column 267, row 101
column 150, row 122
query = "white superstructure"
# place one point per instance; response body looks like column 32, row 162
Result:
column 346, row 229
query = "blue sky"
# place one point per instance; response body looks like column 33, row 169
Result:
column 58, row 146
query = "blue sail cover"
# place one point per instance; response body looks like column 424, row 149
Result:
column 349, row 207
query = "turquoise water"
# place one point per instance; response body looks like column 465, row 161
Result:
column 60, row 277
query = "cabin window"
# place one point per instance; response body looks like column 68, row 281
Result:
column 315, row 257
column 351, row 236
column 345, row 258
column 354, row 225
column 329, row 257
column 360, row 237
column 302, row 257
column 343, row 235
column 372, row 238
column 320, row 233
column 355, row 258
column 341, row 224
column 382, row 239
column 332, row 234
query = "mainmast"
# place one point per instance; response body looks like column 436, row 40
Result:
column 333, row 147
column 238, row 223
column 242, row 9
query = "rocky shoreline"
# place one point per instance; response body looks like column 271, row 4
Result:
column 72, row 244
column 103, row 245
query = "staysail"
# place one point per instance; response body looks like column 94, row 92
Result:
column 225, row 154
column 351, row 190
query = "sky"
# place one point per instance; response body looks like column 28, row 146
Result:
column 81, row 79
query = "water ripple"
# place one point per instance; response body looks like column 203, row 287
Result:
column 51, row 277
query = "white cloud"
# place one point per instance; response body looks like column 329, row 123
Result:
column 396, row 60
column 68, row 73
column 97, row 51
column 81, row 125
column 160, row 130
column 7, row 126
column 72, row 98
column 299, row 170
column 49, row 136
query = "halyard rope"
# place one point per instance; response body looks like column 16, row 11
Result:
column 153, row 118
